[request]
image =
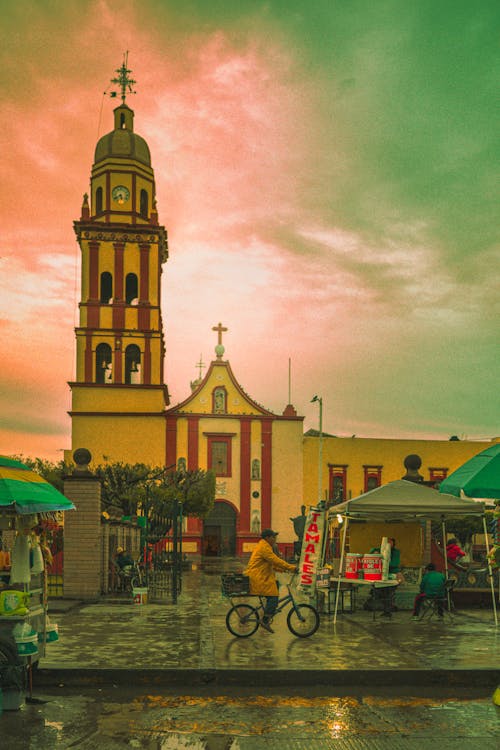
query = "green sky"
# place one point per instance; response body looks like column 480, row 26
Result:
column 327, row 173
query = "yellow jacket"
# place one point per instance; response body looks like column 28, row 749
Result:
column 260, row 569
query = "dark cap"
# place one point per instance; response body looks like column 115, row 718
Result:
column 268, row 532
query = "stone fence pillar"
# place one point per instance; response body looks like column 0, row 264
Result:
column 82, row 532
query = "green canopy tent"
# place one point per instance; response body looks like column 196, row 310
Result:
column 23, row 491
column 404, row 501
column 478, row 477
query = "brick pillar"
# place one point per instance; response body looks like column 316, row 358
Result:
column 82, row 537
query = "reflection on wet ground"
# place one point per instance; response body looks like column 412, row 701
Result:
column 192, row 636
column 244, row 720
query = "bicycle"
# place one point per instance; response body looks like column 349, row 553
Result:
column 244, row 619
column 130, row 577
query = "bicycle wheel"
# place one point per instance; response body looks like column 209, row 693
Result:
column 242, row 620
column 302, row 620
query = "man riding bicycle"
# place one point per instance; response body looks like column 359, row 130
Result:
column 261, row 565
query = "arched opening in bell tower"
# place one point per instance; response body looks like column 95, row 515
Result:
column 132, row 365
column 98, row 200
column 103, row 364
column 144, row 204
column 106, row 287
column 131, row 289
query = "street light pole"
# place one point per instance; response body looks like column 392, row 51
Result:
column 319, row 400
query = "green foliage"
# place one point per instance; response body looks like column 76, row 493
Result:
column 194, row 489
column 122, row 485
column 53, row 472
column 132, row 487
column 462, row 528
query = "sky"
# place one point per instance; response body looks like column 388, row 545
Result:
column 326, row 174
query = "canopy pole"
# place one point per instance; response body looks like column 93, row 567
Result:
column 344, row 537
column 490, row 571
column 443, row 532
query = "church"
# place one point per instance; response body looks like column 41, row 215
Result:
column 265, row 466
column 120, row 402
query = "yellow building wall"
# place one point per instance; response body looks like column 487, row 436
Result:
column 388, row 453
column 106, row 257
column 409, row 539
column 116, row 399
column 287, row 477
column 256, row 453
column 182, row 438
column 121, row 439
column 131, row 262
column 226, row 488
column 202, row 401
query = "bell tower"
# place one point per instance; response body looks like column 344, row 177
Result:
column 119, row 395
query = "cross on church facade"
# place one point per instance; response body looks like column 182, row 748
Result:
column 220, row 330
column 219, row 349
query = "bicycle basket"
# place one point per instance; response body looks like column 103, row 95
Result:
column 235, row 584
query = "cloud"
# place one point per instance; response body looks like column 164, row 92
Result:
column 326, row 179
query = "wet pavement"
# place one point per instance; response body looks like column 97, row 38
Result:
column 188, row 644
column 307, row 719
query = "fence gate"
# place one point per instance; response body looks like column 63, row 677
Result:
column 165, row 578
column 54, row 538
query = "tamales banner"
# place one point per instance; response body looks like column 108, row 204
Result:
column 312, row 548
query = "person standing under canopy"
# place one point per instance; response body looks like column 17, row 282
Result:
column 260, row 570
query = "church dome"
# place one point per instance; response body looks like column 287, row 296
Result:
column 122, row 142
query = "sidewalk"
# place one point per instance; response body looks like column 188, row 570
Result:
column 188, row 643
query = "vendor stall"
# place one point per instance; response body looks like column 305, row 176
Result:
column 26, row 501
column 398, row 501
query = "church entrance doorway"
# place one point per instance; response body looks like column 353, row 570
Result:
column 219, row 531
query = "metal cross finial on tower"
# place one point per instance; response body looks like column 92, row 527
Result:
column 219, row 349
column 201, row 365
column 123, row 81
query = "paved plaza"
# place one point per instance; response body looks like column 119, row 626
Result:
column 188, row 643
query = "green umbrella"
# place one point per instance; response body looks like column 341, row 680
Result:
column 24, row 491
column 478, row 477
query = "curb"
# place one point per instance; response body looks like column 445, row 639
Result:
column 411, row 678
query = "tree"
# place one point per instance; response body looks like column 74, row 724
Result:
column 463, row 528
column 52, row 472
column 121, row 485
column 194, row 489
column 134, row 487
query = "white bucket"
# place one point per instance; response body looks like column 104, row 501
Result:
column 372, row 567
column 140, row 596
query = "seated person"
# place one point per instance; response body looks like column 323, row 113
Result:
column 386, row 595
column 122, row 559
column 431, row 587
column 395, row 561
column 453, row 551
